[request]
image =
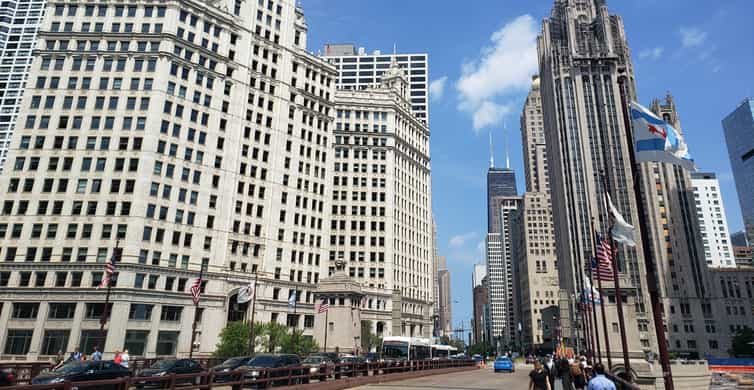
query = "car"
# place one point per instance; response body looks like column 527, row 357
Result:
column 83, row 371
column 167, row 367
column 7, row 377
column 504, row 364
column 372, row 357
column 353, row 365
column 257, row 367
column 229, row 365
column 318, row 366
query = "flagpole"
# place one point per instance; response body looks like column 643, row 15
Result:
column 595, row 329
column 253, row 310
column 652, row 284
column 602, row 307
column 616, row 279
column 326, row 313
column 589, row 310
column 106, row 310
column 196, row 312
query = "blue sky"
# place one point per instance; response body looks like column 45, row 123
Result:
column 481, row 56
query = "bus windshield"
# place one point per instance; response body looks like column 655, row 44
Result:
column 395, row 350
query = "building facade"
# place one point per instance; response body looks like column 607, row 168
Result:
column 18, row 38
column 480, row 300
column 188, row 135
column 381, row 223
column 584, row 67
column 739, row 135
column 713, row 223
column 445, row 302
column 480, row 271
column 359, row 70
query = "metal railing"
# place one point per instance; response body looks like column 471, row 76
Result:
column 255, row 378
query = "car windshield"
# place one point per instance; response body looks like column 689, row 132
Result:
column 502, row 359
column 234, row 361
column 163, row 364
column 313, row 360
column 263, row 361
column 73, row 367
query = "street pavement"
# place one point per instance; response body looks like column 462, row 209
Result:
column 483, row 379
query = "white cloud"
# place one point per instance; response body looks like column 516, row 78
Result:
column 692, row 36
column 653, row 54
column 437, row 88
column 481, row 247
column 502, row 68
column 461, row 239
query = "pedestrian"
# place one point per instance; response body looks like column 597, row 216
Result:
column 59, row 359
column 96, row 355
column 564, row 369
column 124, row 358
column 539, row 379
column 551, row 369
column 577, row 376
column 600, row 381
column 75, row 355
column 118, row 359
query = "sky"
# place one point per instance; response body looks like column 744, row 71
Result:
column 482, row 54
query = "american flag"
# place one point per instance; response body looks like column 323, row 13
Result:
column 323, row 307
column 109, row 271
column 603, row 264
column 196, row 290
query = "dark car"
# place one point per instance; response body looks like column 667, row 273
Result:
column 353, row 365
column 257, row 370
column 372, row 357
column 318, row 366
column 221, row 370
column 166, row 367
column 7, row 377
column 83, row 371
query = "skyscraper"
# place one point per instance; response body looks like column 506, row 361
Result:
column 18, row 38
column 358, row 70
column 210, row 157
column 713, row 223
column 739, row 135
column 381, row 209
column 445, row 299
column 501, row 182
column 500, row 272
column 585, row 67
column 534, row 257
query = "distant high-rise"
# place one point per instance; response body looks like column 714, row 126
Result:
column 584, row 65
column 501, row 182
column 18, row 38
column 739, row 134
column 739, row 239
column 500, row 272
column 718, row 250
column 443, row 276
column 481, row 299
column 358, row 70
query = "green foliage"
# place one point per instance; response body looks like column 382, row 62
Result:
column 234, row 340
column 483, row 349
column 742, row 344
column 275, row 333
column 295, row 342
column 369, row 340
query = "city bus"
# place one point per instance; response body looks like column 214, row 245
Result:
column 405, row 348
column 442, row 352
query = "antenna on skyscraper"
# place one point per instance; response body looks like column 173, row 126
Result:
column 505, row 142
column 492, row 156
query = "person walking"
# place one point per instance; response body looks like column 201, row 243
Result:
column 96, row 355
column 564, row 371
column 124, row 358
column 577, row 376
column 551, row 369
column 600, row 381
column 118, row 359
column 75, row 355
column 539, row 380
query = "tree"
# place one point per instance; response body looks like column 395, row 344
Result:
column 481, row 349
column 742, row 344
column 234, row 340
column 275, row 333
column 296, row 343
column 369, row 340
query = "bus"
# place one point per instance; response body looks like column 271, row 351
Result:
column 443, row 352
column 405, row 348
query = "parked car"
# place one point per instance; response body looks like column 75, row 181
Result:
column 258, row 366
column 372, row 357
column 83, row 371
column 167, row 367
column 353, row 365
column 7, row 377
column 229, row 365
column 504, row 364
column 318, row 366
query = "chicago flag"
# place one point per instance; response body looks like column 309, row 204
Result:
column 657, row 141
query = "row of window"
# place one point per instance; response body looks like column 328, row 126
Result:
column 101, row 10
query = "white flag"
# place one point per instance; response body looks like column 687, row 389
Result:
column 622, row 232
column 245, row 293
column 656, row 140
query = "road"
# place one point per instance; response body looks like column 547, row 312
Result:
column 483, row 379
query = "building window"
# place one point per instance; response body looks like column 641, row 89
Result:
column 136, row 342
column 91, row 339
column 25, row 310
column 94, row 311
column 171, row 313
column 18, row 341
column 308, row 321
column 61, row 311
column 54, row 341
column 166, row 343
column 140, row 312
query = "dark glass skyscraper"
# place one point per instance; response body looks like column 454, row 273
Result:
column 739, row 134
column 500, row 182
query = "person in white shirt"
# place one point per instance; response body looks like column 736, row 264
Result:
column 124, row 358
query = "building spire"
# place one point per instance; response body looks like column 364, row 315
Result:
column 505, row 142
column 492, row 156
